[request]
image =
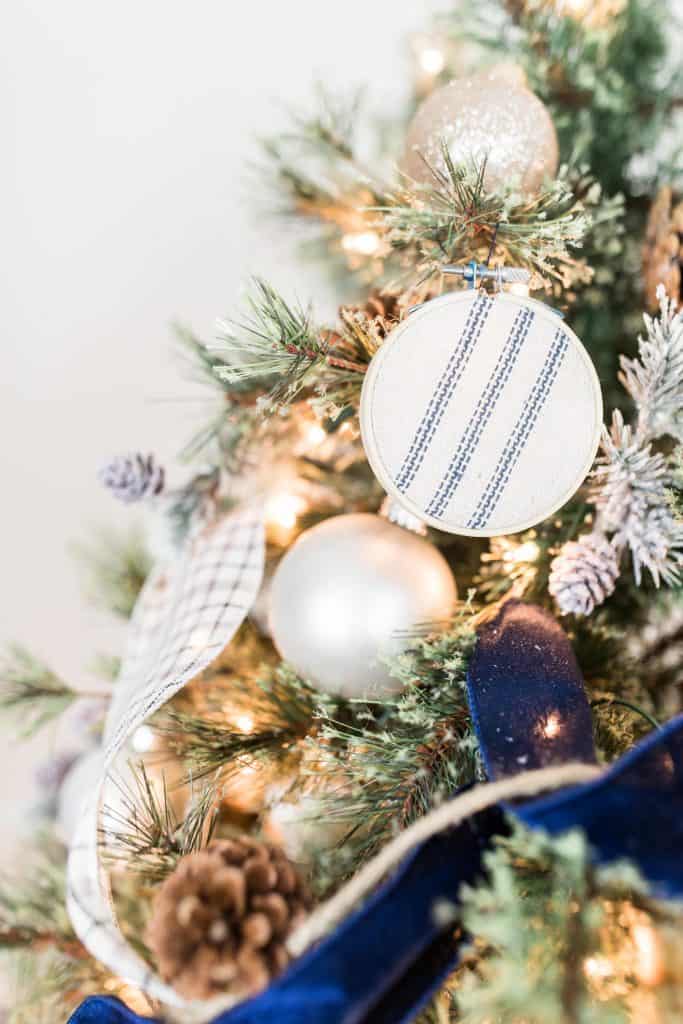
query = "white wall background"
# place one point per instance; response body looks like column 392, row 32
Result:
column 126, row 131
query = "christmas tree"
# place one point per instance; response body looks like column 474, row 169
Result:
column 397, row 733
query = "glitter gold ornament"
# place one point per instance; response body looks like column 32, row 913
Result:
column 491, row 116
column 663, row 248
column 344, row 596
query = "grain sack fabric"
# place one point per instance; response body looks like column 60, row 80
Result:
column 481, row 413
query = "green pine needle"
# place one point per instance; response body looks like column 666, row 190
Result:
column 31, row 692
column 146, row 831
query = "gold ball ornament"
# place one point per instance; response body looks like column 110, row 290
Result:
column 491, row 116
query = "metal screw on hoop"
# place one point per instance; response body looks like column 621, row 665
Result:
column 474, row 271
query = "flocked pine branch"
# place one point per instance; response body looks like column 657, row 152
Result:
column 632, row 482
column 634, row 506
column 554, row 938
column 654, row 380
column 146, row 831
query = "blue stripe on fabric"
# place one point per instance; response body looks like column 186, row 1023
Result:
column 521, row 432
column 482, row 413
column 438, row 403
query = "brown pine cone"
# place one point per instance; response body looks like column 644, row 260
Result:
column 663, row 248
column 220, row 921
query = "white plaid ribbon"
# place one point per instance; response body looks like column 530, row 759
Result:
column 184, row 617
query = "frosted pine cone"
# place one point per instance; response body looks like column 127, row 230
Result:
column 584, row 574
column 132, row 477
column 220, row 921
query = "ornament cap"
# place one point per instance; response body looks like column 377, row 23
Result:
column 399, row 515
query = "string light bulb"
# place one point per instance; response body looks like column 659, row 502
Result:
column 431, row 59
column 552, row 726
column 282, row 511
column 520, row 288
column 360, row 243
column 244, row 722
column 648, row 966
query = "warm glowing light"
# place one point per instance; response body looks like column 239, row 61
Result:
column 519, row 288
column 552, row 726
column 284, row 509
column 432, row 60
column 315, row 435
column 245, row 723
column 597, row 968
column 526, row 552
column 576, row 8
column 648, row 967
column 595, row 13
column 142, row 739
column 364, row 243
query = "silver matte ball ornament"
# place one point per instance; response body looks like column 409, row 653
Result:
column 487, row 116
column 345, row 592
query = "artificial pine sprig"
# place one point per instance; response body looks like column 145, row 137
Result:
column 554, row 938
column 279, row 349
column 457, row 219
column 276, row 344
column 146, row 831
column 31, row 692
column 115, row 567
column 253, row 722
column 392, row 762
column 33, row 904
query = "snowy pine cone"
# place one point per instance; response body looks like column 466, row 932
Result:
column 132, row 477
column 584, row 574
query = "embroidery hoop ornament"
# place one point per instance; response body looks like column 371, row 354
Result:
column 450, row 430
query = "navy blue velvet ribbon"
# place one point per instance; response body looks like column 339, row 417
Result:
column 530, row 711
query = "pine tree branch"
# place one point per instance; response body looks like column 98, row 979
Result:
column 32, row 692
column 245, row 723
column 115, row 567
column 456, row 219
column 147, row 833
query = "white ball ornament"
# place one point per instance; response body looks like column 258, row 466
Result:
column 487, row 116
column 344, row 595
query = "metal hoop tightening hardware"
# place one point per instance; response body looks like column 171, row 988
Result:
column 473, row 272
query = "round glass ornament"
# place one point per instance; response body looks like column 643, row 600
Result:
column 347, row 594
column 489, row 116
